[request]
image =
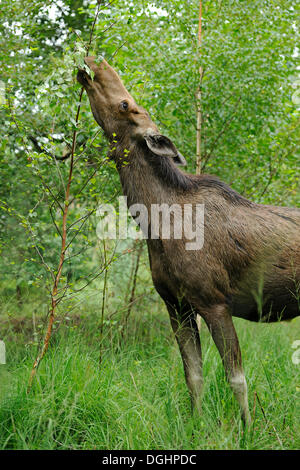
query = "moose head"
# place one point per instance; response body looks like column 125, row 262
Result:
column 117, row 113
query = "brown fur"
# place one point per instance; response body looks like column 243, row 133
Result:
column 249, row 265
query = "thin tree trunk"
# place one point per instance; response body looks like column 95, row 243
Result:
column 61, row 259
column 103, row 303
column 198, row 99
column 199, row 117
column 133, row 287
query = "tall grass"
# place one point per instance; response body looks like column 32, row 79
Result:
column 137, row 398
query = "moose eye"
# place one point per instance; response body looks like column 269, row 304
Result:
column 124, row 106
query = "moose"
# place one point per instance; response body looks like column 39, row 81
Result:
column 249, row 263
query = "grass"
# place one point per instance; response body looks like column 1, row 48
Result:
column 137, row 398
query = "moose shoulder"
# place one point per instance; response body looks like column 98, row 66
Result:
column 249, row 263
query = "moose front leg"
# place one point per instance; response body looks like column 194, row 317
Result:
column 220, row 324
column 187, row 335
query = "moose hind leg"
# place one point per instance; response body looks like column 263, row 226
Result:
column 220, row 324
column 186, row 332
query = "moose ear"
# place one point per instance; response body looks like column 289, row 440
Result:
column 163, row 147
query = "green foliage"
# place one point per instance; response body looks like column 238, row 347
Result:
column 250, row 139
column 249, row 100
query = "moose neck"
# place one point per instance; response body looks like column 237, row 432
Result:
column 149, row 179
column 143, row 182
